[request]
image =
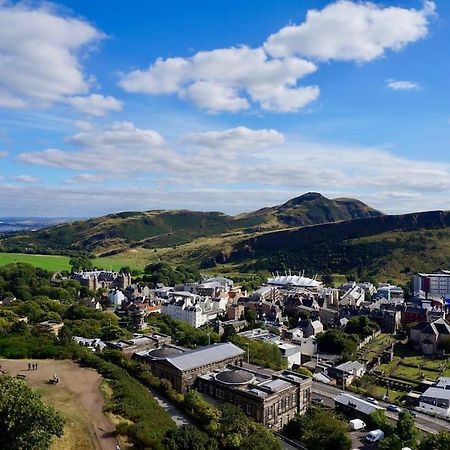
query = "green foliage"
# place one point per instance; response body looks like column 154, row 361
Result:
column 439, row 441
column 261, row 353
column 362, row 326
column 378, row 419
column 406, row 430
column 78, row 263
column 182, row 332
column 337, row 342
column 27, row 423
column 392, row 442
column 164, row 273
column 134, row 402
column 319, row 430
column 189, row 438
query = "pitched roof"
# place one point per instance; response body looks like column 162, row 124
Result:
column 358, row 404
column 205, row 355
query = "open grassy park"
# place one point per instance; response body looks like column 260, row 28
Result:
column 78, row 398
column 53, row 263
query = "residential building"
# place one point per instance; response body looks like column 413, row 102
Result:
column 436, row 401
column 193, row 308
column 310, row 327
column 431, row 338
column 347, row 372
column 432, row 284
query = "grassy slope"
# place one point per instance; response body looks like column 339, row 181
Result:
column 411, row 251
column 48, row 262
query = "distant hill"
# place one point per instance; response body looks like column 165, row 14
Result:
column 312, row 209
column 393, row 246
column 118, row 233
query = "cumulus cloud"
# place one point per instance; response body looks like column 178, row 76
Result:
column 240, row 138
column 118, row 148
column 233, row 79
column 351, row 31
column 26, row 179
column 40, row 55
column 86, row 178
column 246, row 163
column 402, row 85
column 228, row 79
column 95, row 104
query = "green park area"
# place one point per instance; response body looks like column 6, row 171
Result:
column 52, row 263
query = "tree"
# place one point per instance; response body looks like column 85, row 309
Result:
column 189, row 438
column 392, row 442
column 361, row 325
column 27, row 423
column 80, row 263
column 439, row 441
column 228, row 333
column 406, row 429
column 336, row 342
column 319, row 430
column 378, row 419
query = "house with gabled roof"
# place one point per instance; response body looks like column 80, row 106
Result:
column 431, row 338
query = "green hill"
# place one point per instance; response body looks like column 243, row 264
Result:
column 117, row 233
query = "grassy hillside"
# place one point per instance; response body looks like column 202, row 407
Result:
column 118, row 233
column 379, row 248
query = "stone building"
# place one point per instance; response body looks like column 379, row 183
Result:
column 182, row 367
column 269, row 398
column 105, row 279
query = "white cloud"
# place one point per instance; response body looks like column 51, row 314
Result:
column 228, row 79
column 86, row 178
column 239, row 139
column 40, row 55
column 351, row 31
column 95, row 104
column 84, row 125
column 402, row 85
column 26, row 179
column 118, row 148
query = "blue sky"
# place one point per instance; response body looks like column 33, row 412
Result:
column 226, row 105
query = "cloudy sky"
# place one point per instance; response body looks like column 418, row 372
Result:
column 227, row 105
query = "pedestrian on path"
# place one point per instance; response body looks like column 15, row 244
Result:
column 29, row 366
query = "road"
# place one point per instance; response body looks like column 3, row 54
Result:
column 424, row 422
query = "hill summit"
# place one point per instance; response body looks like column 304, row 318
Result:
column 116, row 233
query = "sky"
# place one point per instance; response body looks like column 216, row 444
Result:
column 111, row 106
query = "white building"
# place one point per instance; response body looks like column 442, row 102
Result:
column 291, row 352
column 294, row 280
column 116, row 297
column 436, row 401
column 353, row 297
column 192, row 308
column 390, row 292
column 432, row 284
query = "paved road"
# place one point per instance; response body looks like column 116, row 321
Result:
column 423, row 421
column 178, row 416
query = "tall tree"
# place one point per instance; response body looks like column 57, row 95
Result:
column 406, row 429
column 27, row 424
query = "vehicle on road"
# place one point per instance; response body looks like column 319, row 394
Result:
column 372, row 400
column 393, row 408
column 375, row 436
column 413, row 413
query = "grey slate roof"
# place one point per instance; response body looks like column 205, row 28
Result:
column 358, row 404
column 205, row 355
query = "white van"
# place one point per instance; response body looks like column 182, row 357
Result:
column 375, row 436
column 357, row 424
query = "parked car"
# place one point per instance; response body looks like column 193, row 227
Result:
column 372, row 400
column 393, row 408
column 413, row 413
column 375, row 436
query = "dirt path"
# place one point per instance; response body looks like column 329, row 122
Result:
column 77, row 396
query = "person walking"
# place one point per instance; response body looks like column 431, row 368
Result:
column 36, row 364
column 29, row 366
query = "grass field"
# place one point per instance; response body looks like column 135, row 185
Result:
column 47, row 262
